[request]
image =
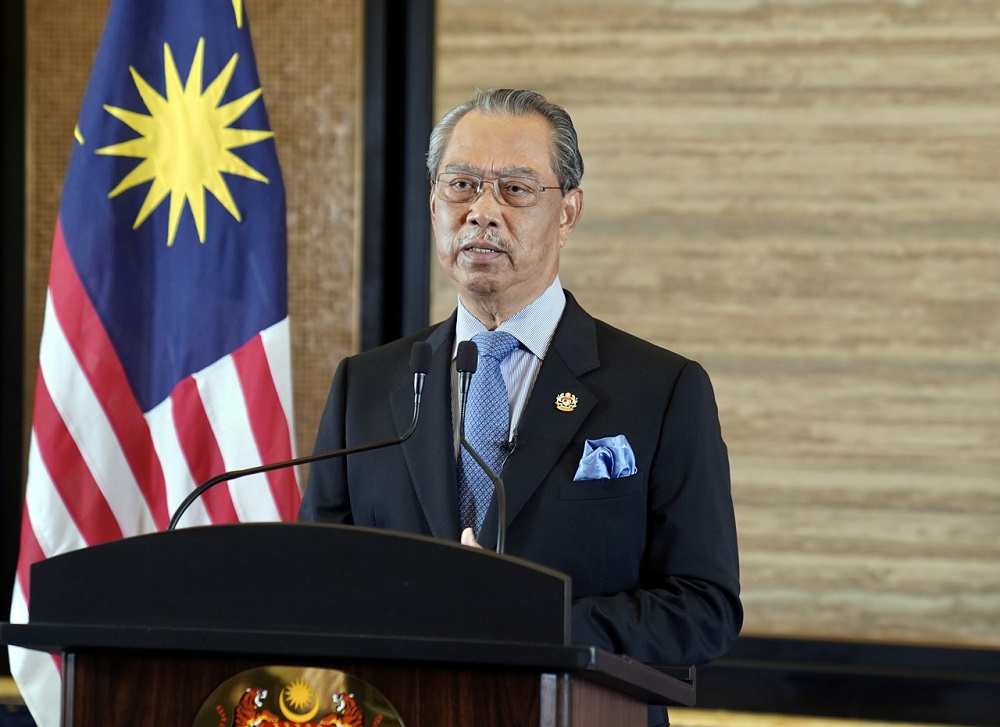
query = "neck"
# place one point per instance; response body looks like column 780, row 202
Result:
column 492, row 310
column 488, row 312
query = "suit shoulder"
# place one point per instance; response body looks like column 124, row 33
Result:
column 590, row 343
column 398, row 350
column 637, row 367
column 614, row 343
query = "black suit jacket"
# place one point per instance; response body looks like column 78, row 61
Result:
column 653, row 557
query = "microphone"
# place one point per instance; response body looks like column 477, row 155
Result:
column 466, row 363
column 420, row 364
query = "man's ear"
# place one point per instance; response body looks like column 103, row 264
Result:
column 432, row 204
column 572, row 210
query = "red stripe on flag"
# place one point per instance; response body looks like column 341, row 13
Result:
column 31, row 552
column 201, row 450
column 268, row 422
column 69, row 472
column 99, row 362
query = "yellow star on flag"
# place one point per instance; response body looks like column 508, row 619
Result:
column 185, row 142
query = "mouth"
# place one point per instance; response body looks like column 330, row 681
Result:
column 482, row 246
column 481, row 249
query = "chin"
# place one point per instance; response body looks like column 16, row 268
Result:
column 481, row 289
column 479, row 282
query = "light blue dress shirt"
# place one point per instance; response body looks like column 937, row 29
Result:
column 534, row 327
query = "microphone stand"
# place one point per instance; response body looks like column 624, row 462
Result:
column 419, row 362
column 467, row 361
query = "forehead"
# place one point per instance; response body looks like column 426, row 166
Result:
column 500, row 144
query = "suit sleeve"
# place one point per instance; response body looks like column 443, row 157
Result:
column 327, row 498
column 687, row 608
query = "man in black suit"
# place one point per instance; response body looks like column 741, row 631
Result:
column 652, row 553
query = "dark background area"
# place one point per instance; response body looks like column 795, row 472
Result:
column 11, row 294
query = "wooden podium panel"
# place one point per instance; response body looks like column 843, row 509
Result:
column 116, row 687
column 150, row 626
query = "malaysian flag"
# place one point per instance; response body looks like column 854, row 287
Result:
column 164, row 357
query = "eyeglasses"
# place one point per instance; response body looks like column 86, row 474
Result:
column 511, row 191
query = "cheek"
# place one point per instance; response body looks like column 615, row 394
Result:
column 540, row 239
column 443, row 227
column 446, row 220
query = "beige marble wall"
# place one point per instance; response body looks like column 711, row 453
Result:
column 309, row 54
column 803, row 195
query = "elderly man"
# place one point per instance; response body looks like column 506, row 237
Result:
column 610, row 447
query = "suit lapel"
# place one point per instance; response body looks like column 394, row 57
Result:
column 545, row 432
column 429, row 453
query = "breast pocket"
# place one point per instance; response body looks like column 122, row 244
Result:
column 602, row 489
column 606, row 532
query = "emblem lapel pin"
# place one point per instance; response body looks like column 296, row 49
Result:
column 566, row 402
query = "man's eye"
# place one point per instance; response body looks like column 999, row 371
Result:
column 462, row 184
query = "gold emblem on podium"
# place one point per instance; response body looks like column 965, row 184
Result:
column 287, row 696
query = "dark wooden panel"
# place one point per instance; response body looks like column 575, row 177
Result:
column 855, row 681
column 114, row 688
column 138, row 688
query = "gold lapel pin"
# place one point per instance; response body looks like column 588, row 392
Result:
column 566, row 402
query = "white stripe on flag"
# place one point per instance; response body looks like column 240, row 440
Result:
column 18, row 606
column 84, row 416
column 278, row 350
column 37, row 677
column 176, row 474
column 54, row 528
column 220, row 390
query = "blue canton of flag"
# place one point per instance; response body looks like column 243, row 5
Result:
column 175, row 299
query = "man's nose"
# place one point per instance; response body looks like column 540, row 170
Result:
column 484, row 210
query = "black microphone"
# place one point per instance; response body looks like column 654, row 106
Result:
column 466, row 363
column 420, row 364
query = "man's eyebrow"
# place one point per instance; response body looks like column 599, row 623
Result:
column 462, row 168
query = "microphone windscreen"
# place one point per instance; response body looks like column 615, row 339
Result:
column 420, row 357
column 467, row 358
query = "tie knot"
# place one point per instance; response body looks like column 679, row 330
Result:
column 497, row 345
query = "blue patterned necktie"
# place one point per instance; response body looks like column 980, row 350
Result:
column 487, row 426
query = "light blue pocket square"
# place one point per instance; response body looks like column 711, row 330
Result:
column 606, row 459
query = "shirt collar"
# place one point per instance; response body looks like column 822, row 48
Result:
column 533, row 325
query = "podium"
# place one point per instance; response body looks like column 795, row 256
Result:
column 148, row 626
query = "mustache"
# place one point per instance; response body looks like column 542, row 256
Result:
column 483, row 235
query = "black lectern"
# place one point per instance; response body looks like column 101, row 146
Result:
column 148, row 626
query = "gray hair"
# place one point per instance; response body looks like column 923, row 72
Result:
column 566, row 159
